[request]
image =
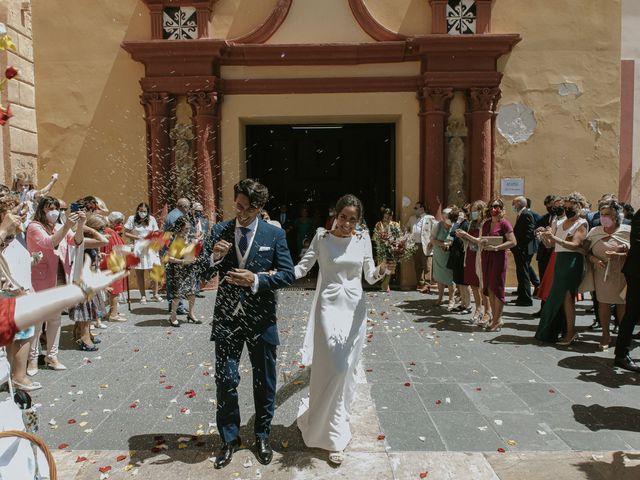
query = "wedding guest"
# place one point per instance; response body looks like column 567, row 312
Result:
column 441, row 243
column 24, row 186
column 182, row 208
column 181, row 279
column 55, row 241
column 336, row 327
column 457, row 260
column 473, row 265
column 303, row 227
column 414, row 226
column 115, row 243
column 524, row 232
column 331, row 218
column 92, row 310
column 494, row 259
column 602, row 244
column 384, row 226
column 567, row 236
column 138, row 226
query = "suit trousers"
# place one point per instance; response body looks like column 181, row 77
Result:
column 263, row 362
column 420, row 264
column 631, row 316
column 523, row 259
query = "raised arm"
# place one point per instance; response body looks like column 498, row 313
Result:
column 48, row 187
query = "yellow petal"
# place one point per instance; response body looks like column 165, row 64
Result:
column 157, row 273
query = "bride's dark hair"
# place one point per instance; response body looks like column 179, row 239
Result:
column 349, row 200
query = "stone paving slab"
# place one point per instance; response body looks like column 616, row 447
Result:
column 445, row 395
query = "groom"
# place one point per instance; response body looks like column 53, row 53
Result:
column 245, row 312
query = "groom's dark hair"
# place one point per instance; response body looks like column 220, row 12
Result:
column 258, row 194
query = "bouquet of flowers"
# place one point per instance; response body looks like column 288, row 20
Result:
column 393, row 244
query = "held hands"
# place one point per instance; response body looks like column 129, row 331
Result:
column 240, row 277
column 597, row 262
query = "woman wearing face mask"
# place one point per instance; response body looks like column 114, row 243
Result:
column 494, row 260
column 138, row 226
column 473, row 265
column 602, row 244
column 441, row 242
column 567, row 235
column 45, row 235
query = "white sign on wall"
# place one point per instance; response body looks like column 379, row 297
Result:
column 511, row 187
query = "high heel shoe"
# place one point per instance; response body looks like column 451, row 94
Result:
column 54, row 364
column 566, row 343
column 85, row 347
column 95, row 339
column 495, row 328
column 176, row 324
column 191, row 319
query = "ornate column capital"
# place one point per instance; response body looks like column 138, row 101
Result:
column 157, row 104
column 435, row 99
column 484, row 99
column 204, row 103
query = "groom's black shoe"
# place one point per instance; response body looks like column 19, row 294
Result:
column 226, row 454
column 265, row 454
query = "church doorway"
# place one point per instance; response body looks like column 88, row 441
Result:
column 308, row 167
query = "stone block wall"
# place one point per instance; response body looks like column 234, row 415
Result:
column 19, row 139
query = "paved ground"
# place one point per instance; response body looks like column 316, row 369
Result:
column 451, row 401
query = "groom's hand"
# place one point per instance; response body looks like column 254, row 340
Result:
column 240, row 277
column 220, row 249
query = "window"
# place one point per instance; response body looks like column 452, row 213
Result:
column 461, row 17
column 179, row 23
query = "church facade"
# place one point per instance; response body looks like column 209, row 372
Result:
column 445, row 101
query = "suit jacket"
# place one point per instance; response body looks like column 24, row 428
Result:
column 172, row 216
column 524, row 229
column 543, row 252
column 632, row 264
column 257, row 317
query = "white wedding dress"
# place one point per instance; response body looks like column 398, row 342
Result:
column 335, row 335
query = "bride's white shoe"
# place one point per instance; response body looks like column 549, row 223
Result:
column 336, row 458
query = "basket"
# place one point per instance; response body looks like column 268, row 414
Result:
column 53, row 474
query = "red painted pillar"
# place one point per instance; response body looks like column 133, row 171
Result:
column 482, row 103
column 207, row 169
column 159, row 108
column 434, row 110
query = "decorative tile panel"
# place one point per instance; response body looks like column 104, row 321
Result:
column 179, row 23
column 461, row 17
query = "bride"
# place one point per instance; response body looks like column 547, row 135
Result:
column 337, row 326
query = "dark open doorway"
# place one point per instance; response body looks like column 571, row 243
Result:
column 313, row 165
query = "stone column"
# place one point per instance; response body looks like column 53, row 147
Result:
column 159, row 108
column 207, row 168
column 434, row 109
column 482, row 102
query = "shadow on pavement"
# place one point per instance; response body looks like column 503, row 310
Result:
column 596, row 417
column 598, row 470
column 599, row 370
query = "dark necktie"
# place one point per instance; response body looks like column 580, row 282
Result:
column 244, row 241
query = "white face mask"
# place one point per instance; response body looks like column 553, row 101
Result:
column 475, row 215
column 52, row 216
column 142, row 215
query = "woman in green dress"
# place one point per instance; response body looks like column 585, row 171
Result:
column 441, row 241
column 566, row 235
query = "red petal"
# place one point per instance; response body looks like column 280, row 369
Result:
column 105, row 469
column 168, row 387
column 551, row 390
column 132, row 260
column 81, row 459
column 133, row 405
column 71, row 422
column 136, row 350
column 369, row 370
column 424, row 474
column 478, row 389
column 407, row 384
column 197, row 249
column 206, row 374
column 300, row 366
column 120, row 458
column 438, row 402
column 501, row 450
column 62, row 446
column 381, row 437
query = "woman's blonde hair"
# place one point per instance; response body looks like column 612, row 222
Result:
column 97, row 222
column 22, row 177
column 481, row 206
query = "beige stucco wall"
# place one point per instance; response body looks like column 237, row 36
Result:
column 89, row 116
column 558, row 46
column 631, row 51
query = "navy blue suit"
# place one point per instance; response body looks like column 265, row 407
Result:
column 253, row 324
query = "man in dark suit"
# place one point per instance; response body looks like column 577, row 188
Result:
column 200, row 229
column 524, row 231
column 242, row 251
column 533, row 249
column 631, row 272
